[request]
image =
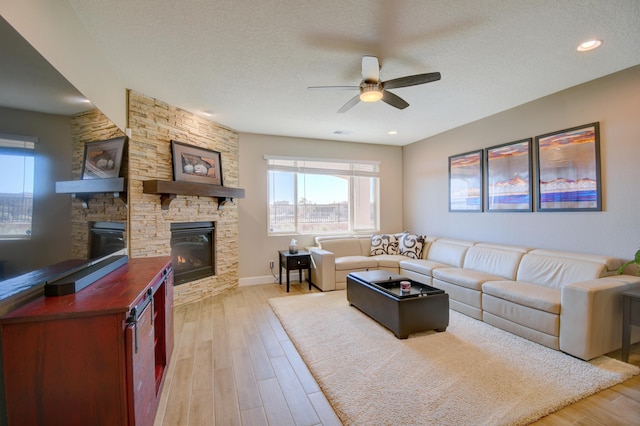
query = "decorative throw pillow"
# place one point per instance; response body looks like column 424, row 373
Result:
column 411, row 246
column 384, row 244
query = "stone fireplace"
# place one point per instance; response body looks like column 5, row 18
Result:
column 152, row 124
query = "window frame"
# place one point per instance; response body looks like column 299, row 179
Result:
column 21, row 146
column 350, row 169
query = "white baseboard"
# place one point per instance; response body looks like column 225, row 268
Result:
column 269, row 279
column 266, row 279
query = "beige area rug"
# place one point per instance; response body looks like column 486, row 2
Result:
column 471, row 374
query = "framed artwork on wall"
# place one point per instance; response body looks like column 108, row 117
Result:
column 465, row 182
column 508, row 179
column 195, row 164
column 568, row 169
column 102, row 159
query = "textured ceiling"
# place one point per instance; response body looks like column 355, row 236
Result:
column 250, row 62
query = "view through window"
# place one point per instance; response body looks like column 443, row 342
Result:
column 316, row 196
column 16, row 186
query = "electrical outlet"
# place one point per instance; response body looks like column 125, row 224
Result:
column 271, row 264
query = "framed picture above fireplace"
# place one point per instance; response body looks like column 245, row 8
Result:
column 102, row 159
column 195, row 164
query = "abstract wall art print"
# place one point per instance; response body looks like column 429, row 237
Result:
column 568, row 169
column 465, row 182
column 508, row 179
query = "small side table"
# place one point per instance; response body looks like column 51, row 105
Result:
column 630, row 316
column 300, row 260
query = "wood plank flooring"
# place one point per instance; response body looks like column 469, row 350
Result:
column 233, row 364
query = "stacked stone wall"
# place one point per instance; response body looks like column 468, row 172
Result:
column 86, row 127
column 153, row 125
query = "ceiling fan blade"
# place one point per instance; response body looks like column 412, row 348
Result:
column 411, row 80
column 370, row 69
column 350, row 103
column 334, row 87
column 394, row 100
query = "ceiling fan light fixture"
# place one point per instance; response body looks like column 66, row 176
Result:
column 370, row 92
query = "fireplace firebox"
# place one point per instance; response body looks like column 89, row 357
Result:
column 105, row 238
column 193, row 251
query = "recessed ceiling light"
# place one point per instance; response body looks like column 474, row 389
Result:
column 343, row 132
column 392, row 132
column 207, row 113
column 589, row 45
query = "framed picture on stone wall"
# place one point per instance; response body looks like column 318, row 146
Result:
column 195, row 164
column 102, row 159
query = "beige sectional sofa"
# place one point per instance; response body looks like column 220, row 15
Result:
column 563, row 300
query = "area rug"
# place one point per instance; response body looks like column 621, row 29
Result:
column 471, row 374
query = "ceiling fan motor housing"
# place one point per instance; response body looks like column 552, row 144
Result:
column 370, row 92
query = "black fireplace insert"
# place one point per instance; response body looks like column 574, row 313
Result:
column 193, row 251
column 105, row 238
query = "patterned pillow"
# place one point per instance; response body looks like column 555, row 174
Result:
column 384, row 244
column 411, row 246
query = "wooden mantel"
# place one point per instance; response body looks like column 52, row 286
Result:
column 84, row 188
column 169, row 189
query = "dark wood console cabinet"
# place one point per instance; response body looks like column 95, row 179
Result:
column 96, row 357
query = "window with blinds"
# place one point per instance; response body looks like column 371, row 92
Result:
column 16, row 186
column 320, row 196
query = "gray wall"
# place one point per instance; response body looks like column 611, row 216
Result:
column 256, row 248
column 51, row 239
column 613, row 100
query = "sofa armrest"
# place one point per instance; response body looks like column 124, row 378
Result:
column 591, row 315
column 323, row 269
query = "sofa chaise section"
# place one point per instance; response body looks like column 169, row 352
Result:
column 336, row 257
column 549, row 301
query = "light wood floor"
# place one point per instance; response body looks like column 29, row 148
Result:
column 233, row 364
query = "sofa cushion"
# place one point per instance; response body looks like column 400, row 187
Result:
column 389, row 260
column 422, row 266
column 526, row 294
column 556, row 272
column 342, row 246
column 507, row 247
column 464, row 277
column 503, row 263
column 538, row 319
column 384, row 244
column 411, row 246
column 355, row 262
column 449, row 252
column 466, row 296
column 611, row 263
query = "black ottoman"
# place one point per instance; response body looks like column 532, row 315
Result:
column 378, row 294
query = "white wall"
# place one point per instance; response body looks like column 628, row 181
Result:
column 256, row 248
column 54, row 30
column 613, row 100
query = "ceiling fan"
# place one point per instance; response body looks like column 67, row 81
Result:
column 373, row 90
